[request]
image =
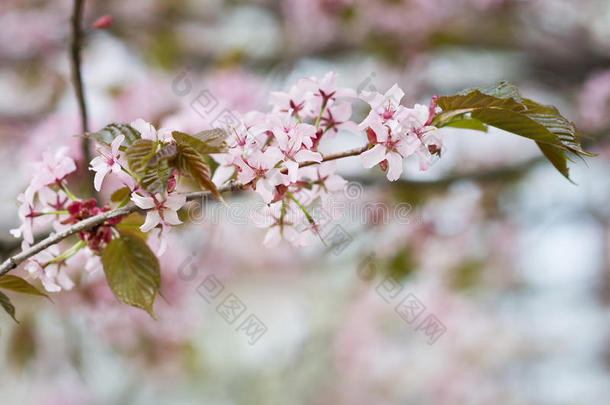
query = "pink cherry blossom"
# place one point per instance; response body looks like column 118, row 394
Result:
column 160, row 209
column 53, row 168
column 259, row 168
column 108, row 162
column 31, row 214
column 148, row 131
column 426, row 137
column 327, row 89
column 337, row 117
column 391, row 145
column 290, row 144
column 387, row 105
column 325, row 181
column 280, row 219
column 50, row 274
column 26, row 214
column 293, row 102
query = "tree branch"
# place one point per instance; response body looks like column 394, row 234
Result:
column 77, row 81
column 91, row 222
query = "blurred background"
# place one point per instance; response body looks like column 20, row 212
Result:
column 506, row 262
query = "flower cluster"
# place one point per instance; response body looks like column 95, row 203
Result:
column 397, row 132
column 274, row 153
column 48, row 201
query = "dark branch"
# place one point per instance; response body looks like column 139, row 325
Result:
column 76, row 40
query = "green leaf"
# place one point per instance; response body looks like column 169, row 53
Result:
column 204, row 142
column 120, row 195
column 467, row 123
column 139, row 153
column 554, row 122
column 191, row 163
column 167, row 153
column 557, row 158
column 110, row 132
column 502, row 106
column 153, row 178
column 17, row 284
column 503, row 95
column 132, row 271
column 516, row 123
column 132, row 223
column 8, row 306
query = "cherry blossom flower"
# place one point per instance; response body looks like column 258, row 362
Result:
column 326, row 90
column 280, row 220
column 53, row 168
column 26, row 214
column 108, row 162
column 386, row 106
column 50, row 274
column 337, row 117
column 324, row 180
column 148, row 131
column 160, row 209
column 292, row 102
column 426, row 137
column 390, row 146
column 259, row 169
column 32, row 215
column 290, row 144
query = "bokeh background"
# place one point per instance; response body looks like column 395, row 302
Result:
column 511, row 258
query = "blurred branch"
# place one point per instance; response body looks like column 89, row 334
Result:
column 77, row 80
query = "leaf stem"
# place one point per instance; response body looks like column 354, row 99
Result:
column 68, row 253
column 322, row 108
column 65, row 189
column 61, row 212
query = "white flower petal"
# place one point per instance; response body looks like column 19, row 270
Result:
column 116, row 144
column 152, row 220
column 394, row 166
column 145, row 203
column 175, row 201
column 171, row 217
column 373, row 156
column 307, row 156
column 99, row 177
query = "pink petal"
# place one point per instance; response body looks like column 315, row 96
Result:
column 395, row 94
column 293, row 170
column 394, row 166
column 171, row 217
column 99, row 177
column 307, row 156
column 175, row 201
column 273, row 237
column 145, row 203
column 152, row 220
column 116, row 144
column 373, row 156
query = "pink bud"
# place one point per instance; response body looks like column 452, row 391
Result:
column 102, row 22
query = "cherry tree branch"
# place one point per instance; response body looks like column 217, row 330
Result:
column 91, row 222
column 340, row 155
column 76, row 40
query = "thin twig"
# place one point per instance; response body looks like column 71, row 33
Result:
column 333, row 156
column 76, row 40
